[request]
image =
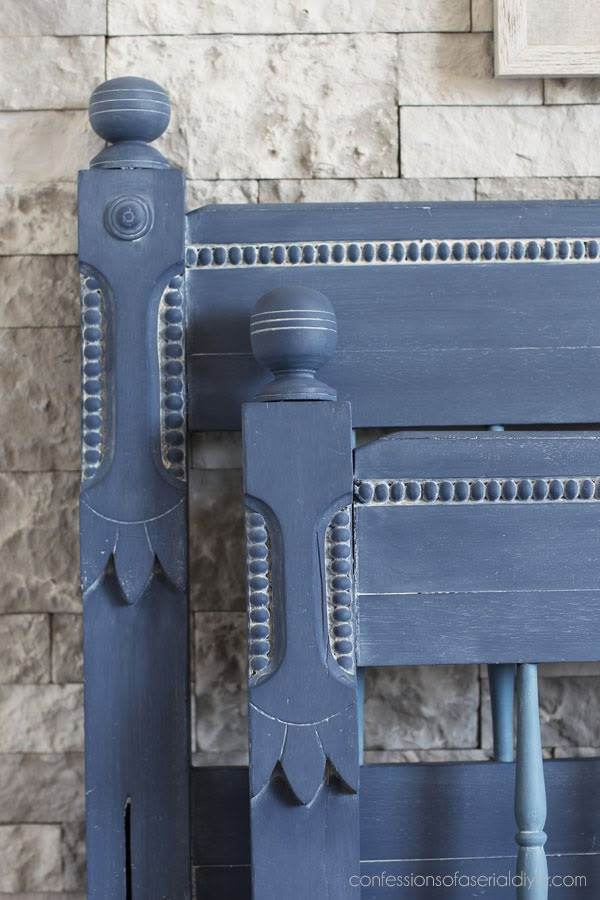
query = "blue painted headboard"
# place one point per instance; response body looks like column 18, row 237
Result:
column 461, row 543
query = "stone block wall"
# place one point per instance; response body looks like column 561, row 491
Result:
column 274, row 100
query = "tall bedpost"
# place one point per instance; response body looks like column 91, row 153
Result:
column 133, row 506
column 304, row 768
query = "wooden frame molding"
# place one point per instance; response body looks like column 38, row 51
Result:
column 518, row 52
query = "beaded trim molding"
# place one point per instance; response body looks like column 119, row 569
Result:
column 93, row 348
column 338, row 555
column 429, row 492
column 260, row 593
column 172, row 377
column 224, row 256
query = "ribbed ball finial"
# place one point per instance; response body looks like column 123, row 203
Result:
column 129, row 112
column 293, row 332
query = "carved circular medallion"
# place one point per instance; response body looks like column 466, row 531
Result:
column 128, row 218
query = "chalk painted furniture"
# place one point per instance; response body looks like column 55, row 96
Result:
column 464, row 543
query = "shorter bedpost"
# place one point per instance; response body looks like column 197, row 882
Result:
column 530, row 790
column 304, row 767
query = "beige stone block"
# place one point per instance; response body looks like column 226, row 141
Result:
column 39, row 542
column 39, row 373
column 482, row 15
column 572, row 90
column 25, row 649
column 538, row 189
column 67, row 648
column 38, row 291
column 284, row 16
column 454, row 70
column 304, row 110
column 204, row 193
column 38, row 218
column 30, row 858
column 45, row 146
column 41, row 718
column 366, row 190
column 220, row 678
column 46, row 787
column 43, row 17
column 61, row 72
column 493, row 141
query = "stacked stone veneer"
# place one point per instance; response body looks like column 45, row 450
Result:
column 273, row 101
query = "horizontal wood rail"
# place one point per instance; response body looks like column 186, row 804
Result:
column 469, row 826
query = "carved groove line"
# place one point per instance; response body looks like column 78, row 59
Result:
column 172, row 378
column 260, row 595
column 338, row 555
column 93, row 344
column 394, row 252
column 411, row 492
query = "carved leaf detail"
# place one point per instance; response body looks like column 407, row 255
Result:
column 267, row 736
column 135, row 548
column 134, row 560
column 303, row 761
column 339, row 739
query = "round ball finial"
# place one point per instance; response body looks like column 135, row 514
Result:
column 129, row 109
column 293, row 332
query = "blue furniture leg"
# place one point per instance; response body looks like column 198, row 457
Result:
column 530, row 790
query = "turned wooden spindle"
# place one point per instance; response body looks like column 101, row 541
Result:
column 530, row 790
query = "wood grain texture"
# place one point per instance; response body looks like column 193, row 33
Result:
column 429, row 819
column 486, row 575
column 546, row 38
column 517, row 335
column 302, row 702
column 133, row 526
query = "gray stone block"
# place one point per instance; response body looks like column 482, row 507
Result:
column 67, row 648
column 25, row 654
column 220, row 677
column 217, row 552
column 30, row 858
column 41, row 718
column 421, row 707
column 41, row 787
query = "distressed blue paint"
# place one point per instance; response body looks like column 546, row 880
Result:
column 502, row 693
column 535, row 360
column 133, row 520
column 435, row 818
column 302, row 704
column 530, row 790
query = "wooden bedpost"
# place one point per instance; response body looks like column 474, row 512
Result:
column 133, row 509
column 304, row 769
